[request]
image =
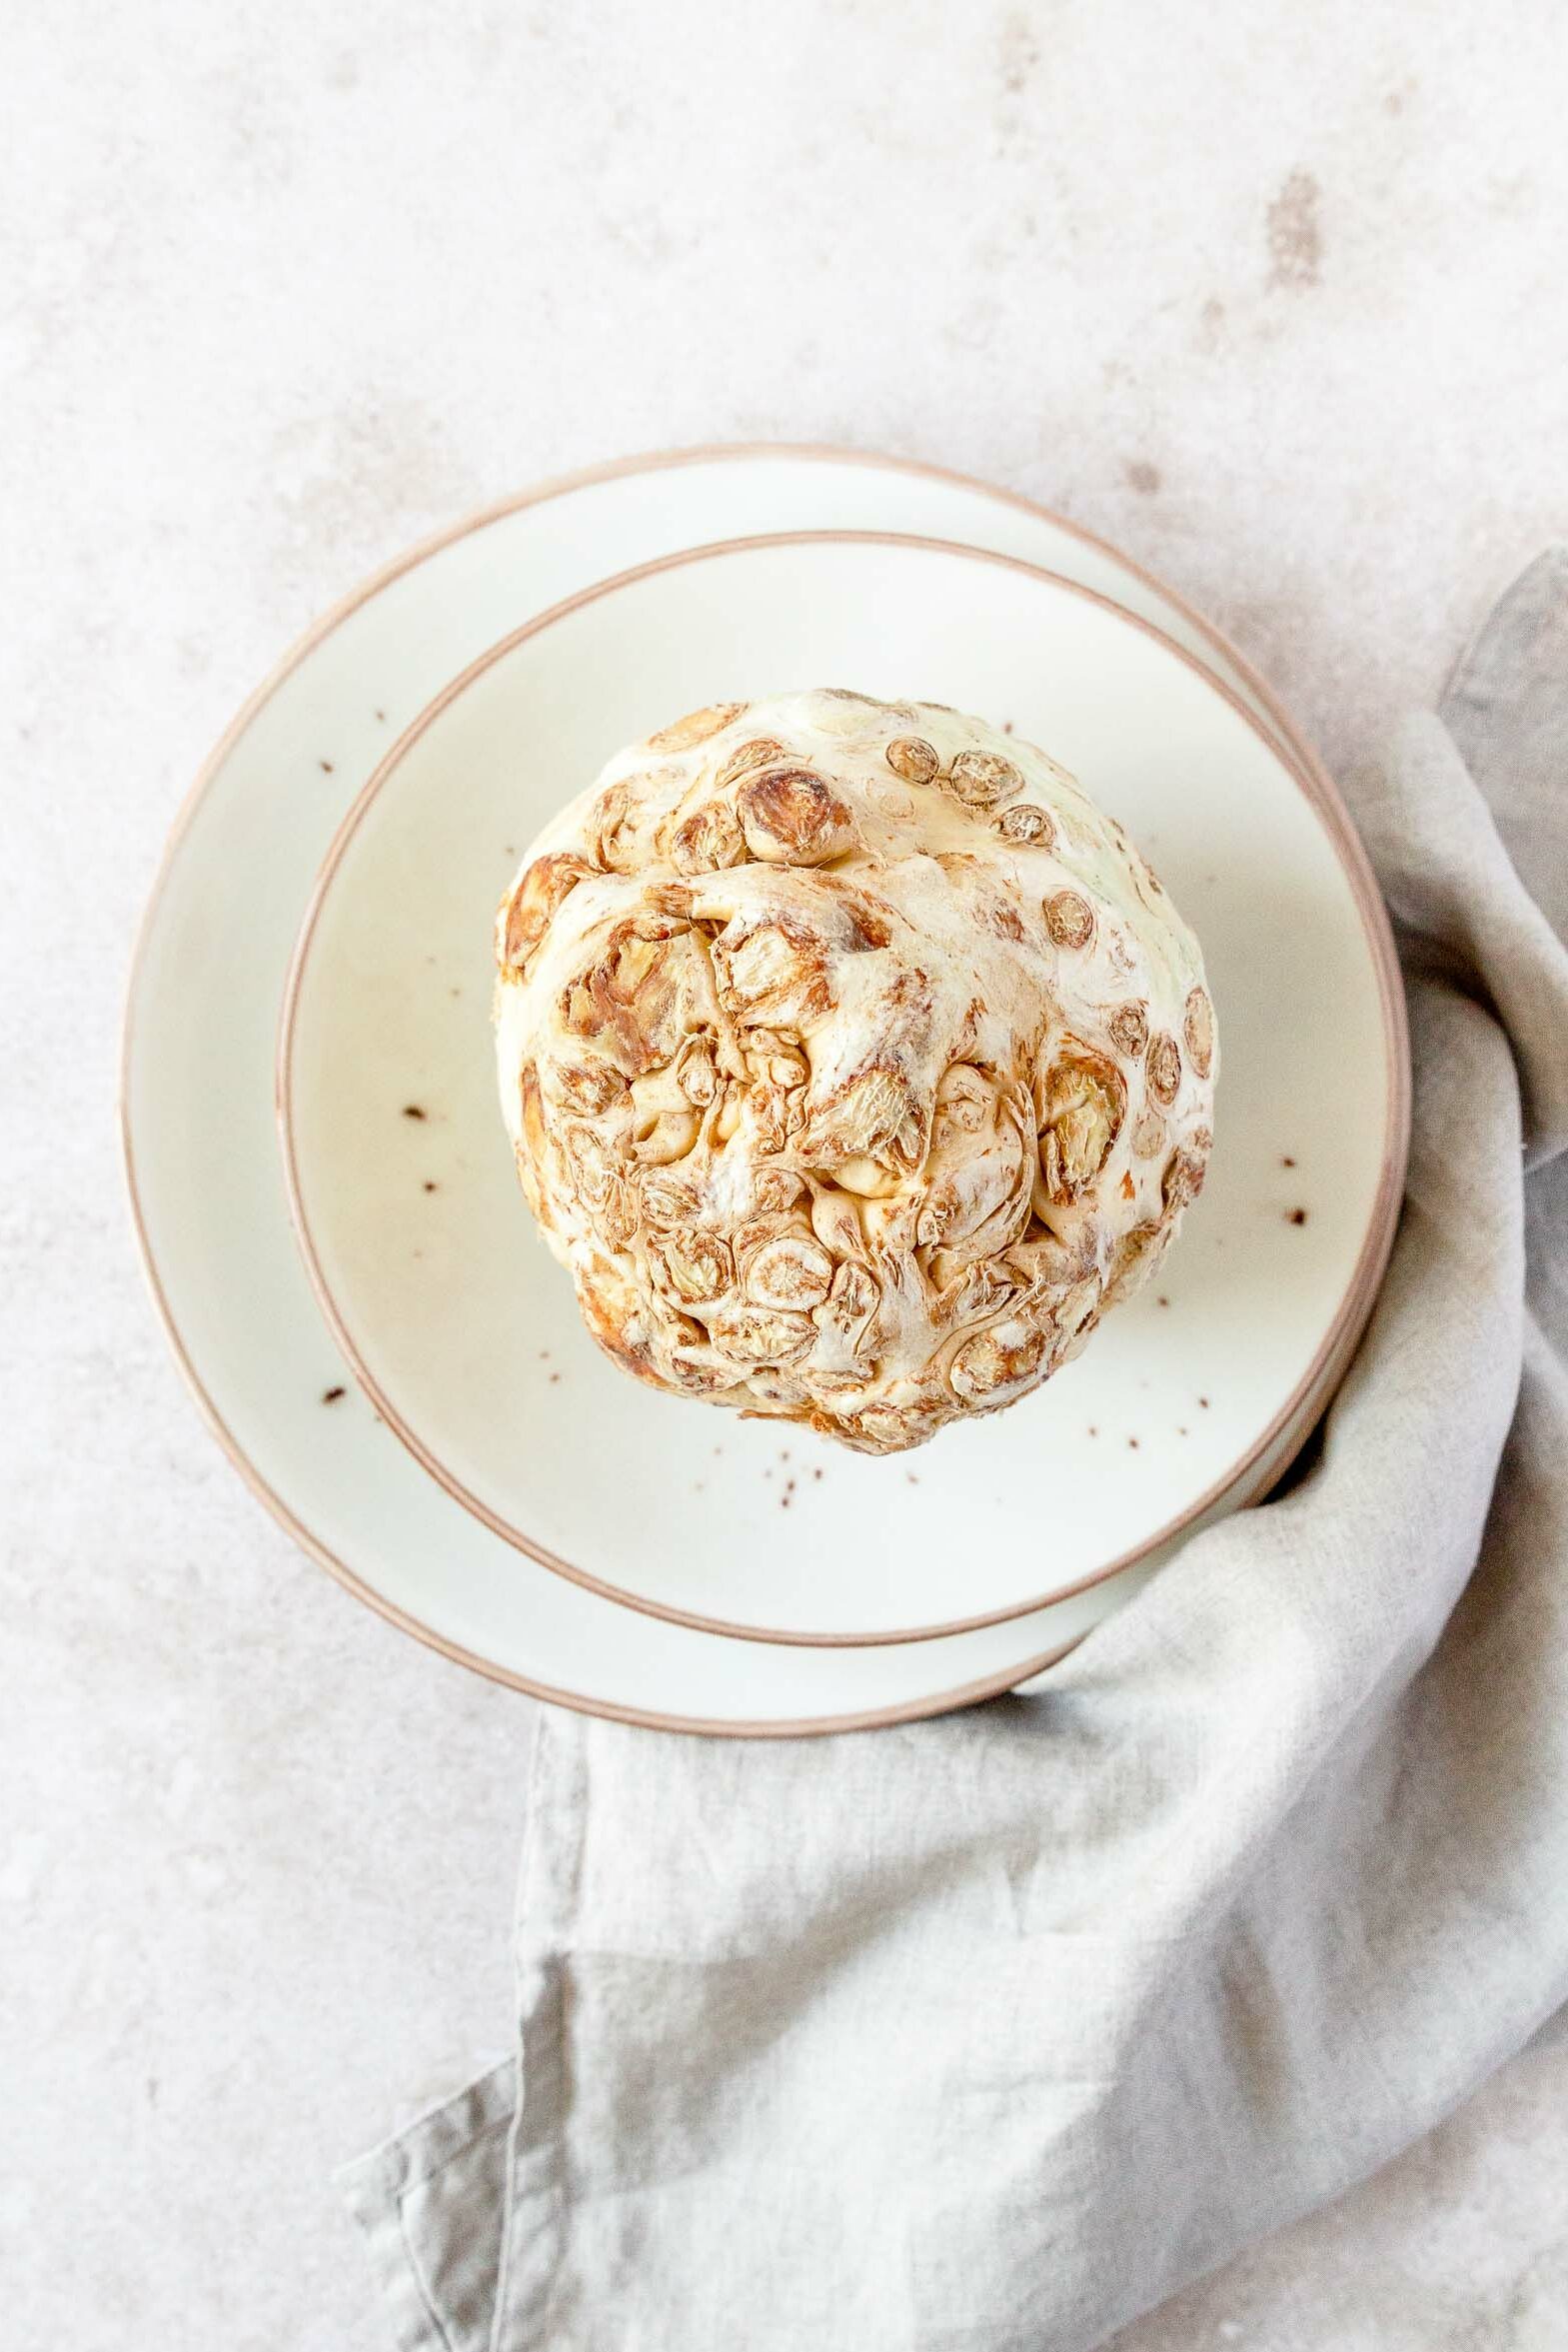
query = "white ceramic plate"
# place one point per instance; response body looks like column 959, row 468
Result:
column 463, row 1328
column 206, row 1184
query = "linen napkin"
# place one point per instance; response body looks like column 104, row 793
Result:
column 991, row 2032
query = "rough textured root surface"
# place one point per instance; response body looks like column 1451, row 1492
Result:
column 852, row 1061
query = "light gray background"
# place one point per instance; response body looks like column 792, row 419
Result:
column 1273, row 297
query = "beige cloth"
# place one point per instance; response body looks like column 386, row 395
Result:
column 991, row 2032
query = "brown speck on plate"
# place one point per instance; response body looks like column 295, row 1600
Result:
column 816, row 1473
column 1006, row 727
column 1203, row 1400
column 1093, row 1431
column 913, row 1480
column 1287, row 1162
column 413, row 1111
column 1181, row 1431
column 331, row 1396
column 1132, row 1442
column 382, row 716
column 429, row 1184
column 325, row 767
column 1162, row 1301
column 553, row 1378
column 1297, row 1217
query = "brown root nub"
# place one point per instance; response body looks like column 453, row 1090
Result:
column 1025, row 823
column 1131, row 1261
column 590, row 1087
column 762, row 1335
column 1183, row 1181
column 530, row 1101
column 1082, row 1100
column 1000, row 1362
column 792, row 817
column 529, row 911
column 1070, row 919
column 913, row 758
column 1164, row 1067
column 1129, row 1029
column 707, row 840
column 791, row 1270
column 873, row 1117
column 690, row 1266
column 694, row 727
column 612, row 829
column 763, row 750
column 668, row 1199
column 981, row 779
column 1199, row 1030
column 778, row 969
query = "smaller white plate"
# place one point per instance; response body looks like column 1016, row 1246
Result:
column 463, row 1329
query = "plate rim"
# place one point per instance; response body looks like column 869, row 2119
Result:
column 325, row 625
column 1340, row 1334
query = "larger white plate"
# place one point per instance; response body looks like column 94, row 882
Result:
column 206, row 1182
column 463, row 1328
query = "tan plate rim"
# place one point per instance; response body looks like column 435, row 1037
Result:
column 1304, row 1400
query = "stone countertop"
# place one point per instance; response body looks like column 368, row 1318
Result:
column 1272, row 298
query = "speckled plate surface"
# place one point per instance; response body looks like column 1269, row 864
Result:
column 206, row 1180
column 463, row 1328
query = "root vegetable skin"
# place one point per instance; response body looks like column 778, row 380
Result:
column 850, row 1062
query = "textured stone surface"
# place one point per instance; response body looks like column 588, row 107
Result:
column 1272, row 299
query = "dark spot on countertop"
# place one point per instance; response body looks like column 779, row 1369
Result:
column 1018, row 50
column 1211, row 325
column 413, row 1111
column 331, row 1396
column 1293, row 235
column 1142, row 477
column 1296, row 1216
